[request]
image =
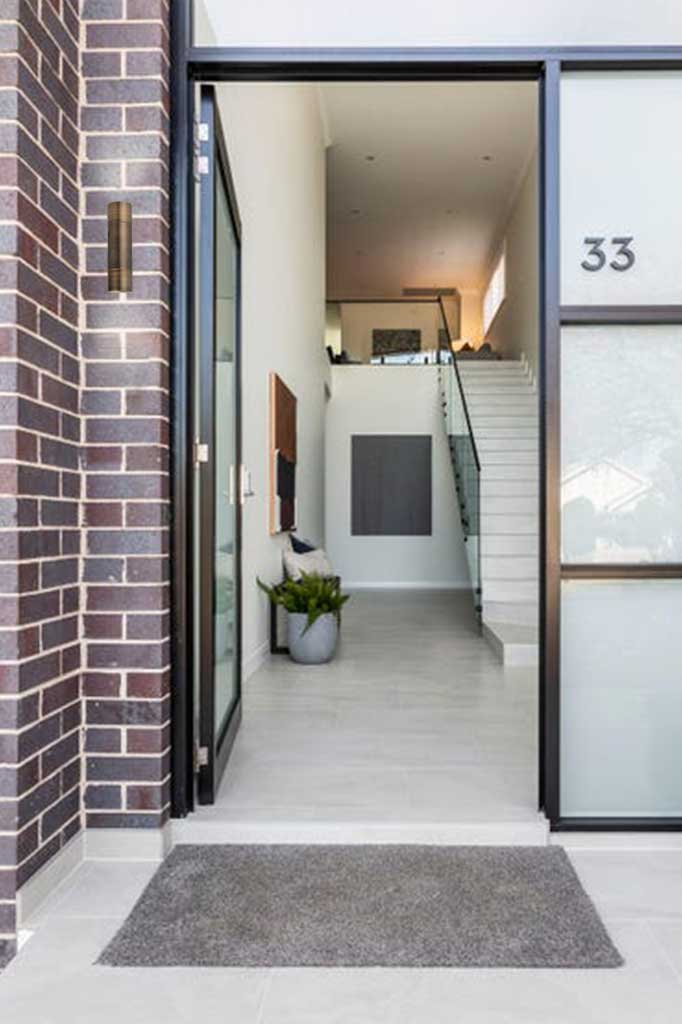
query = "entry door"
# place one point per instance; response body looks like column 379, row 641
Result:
column 218, row 471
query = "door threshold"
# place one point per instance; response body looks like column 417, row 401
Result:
column 531, row 832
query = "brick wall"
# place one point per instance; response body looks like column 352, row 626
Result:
column 40, row 479
column 125, row 346
column 83, row 429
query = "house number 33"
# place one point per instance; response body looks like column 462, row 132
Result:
column 596, row 259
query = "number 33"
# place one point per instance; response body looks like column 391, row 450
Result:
column 596, row 257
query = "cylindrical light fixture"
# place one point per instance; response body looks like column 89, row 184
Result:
column 120, row 247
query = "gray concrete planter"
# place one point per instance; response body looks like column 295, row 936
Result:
column 316, row 645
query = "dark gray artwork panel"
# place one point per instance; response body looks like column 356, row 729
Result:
column 391, row 485
column 391, row 341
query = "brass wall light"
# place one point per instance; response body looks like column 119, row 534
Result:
column 119, row 247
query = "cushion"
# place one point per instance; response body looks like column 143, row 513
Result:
column 315, row 561
column 301, row 546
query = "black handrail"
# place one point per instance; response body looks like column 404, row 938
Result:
column 459, row 383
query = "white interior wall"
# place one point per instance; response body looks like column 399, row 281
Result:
column 515, row 330
column 390, row 400
column 276, row 148
column 358, row 320
column 471, row 313
column 441, row 23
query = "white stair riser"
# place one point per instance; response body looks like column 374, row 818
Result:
column 490, row 432
column 509, row 489
column 513, row 651
column 510, row 590
column 489, row 367
column 481, row 422
column 506, row 444
column 506, row 457
column 503, row 403
column 510, row 567
column 523, row 614
column 508, row 389
column 505, row 505
column 509, row 544
column 491, row 364
column 491, row 473
column 490, row 379
column 499, row 525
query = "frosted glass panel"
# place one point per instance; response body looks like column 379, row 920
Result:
column 621, row 444
column 621, row 699
column 621, row 167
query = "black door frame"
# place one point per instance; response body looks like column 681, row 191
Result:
column 215, row 175
column 192, row 64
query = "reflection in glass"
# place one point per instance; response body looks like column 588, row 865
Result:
column 621, row 444
column 225, row 624
column 621, row 699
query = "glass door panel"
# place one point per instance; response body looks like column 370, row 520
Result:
column 620, row 728
column 621, row 700
column 621, row 167
column 218, row 462
column 621, row 444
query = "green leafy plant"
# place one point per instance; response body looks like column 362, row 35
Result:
column 313, row 595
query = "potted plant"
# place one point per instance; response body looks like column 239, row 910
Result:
column 314, row 605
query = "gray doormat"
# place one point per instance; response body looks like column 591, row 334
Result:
column 363, row 906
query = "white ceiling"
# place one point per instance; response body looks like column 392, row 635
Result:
column 430, row 207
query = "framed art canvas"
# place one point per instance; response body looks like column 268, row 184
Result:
column 282, row 456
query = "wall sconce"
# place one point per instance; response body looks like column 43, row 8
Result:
column 119, row 247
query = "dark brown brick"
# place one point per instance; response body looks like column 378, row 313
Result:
column 147, row 570
column 58, row 695
column 103, row 627
column 125, row 712
column 103, row 513
column 152, row 62
column 148, row 685
column 147, row 741
column 144, row 798
column 101, row 119
column 60, row 754
column 128, row 486
column 123, row 598
column 124, row 37
column 125, row 90
column 58, row 815
column 128, row 655
column 101, row 684
column 100, row 740
column 126, row 769
column 101, row 65
column 131, row 430
column 101, row 570
column 103, row 797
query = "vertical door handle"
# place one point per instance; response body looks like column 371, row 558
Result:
column 245, row 488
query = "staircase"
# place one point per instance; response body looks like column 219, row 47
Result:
column 503, row 408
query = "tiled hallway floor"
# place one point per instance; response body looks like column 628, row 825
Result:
column 414, row 721
column 52, row 980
